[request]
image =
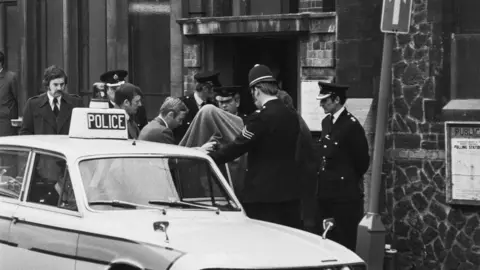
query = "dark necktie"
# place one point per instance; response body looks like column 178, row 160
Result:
column 331, row 119
column 55, row 107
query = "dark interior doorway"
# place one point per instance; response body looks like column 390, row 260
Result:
column 237, row 55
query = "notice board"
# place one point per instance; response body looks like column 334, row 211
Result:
column 462, row 151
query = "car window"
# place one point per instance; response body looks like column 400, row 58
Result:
column 140, row 180
column 12, row 172
column 50, row 183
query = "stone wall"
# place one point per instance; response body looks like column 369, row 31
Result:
column 428, row 232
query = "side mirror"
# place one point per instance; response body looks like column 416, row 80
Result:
column 328, row 224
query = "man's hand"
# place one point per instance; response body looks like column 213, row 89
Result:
column 209, row 147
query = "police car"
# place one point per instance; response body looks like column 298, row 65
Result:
column 95, row 200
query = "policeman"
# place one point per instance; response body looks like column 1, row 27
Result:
column 113, row 79
column 344, row 161
column 228, row 99
column 271, row 191
column 203, row 95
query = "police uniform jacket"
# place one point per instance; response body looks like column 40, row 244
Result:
column 8, row 101
column 344, row 158
column 38, row 117
column 270, row 138
column 193, row 109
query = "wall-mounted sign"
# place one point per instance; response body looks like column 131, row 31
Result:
column 462, row 148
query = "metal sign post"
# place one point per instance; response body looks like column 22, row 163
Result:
column 371, row 231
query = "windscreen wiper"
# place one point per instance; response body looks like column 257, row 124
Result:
column 115, row 203
column 179, row 203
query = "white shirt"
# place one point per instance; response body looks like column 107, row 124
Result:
column 198, row 100
column 337, row 114
column 50, row 100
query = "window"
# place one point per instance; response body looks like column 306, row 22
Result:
column 12, row 172
column 50, row 183
column 141, row 180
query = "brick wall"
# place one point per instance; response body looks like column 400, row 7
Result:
column 317, row 57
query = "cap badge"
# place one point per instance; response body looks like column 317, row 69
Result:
column 115, row 77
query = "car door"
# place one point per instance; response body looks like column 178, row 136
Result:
column 43, row 225
column 13, row 164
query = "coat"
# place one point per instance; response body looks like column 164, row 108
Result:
column 157, row 131
column 38, row 117
column 193, row 109
column 270, row 139
column 8, row 101
column 344, row 159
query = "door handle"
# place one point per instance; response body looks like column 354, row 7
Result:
column 17, row 219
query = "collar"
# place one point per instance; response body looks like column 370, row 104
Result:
column 337, row 114
column 198, row 99
column 1, row 70
column 50, row 98
column 161, row 118
column 267, row 100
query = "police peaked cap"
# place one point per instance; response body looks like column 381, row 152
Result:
column 208, row 77
column 260, row 73
column 114, row 77
column 328, row 89
column 225, row 93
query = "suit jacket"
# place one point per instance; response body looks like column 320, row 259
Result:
column 344, row 159
column 157, row 131
column 192, row 106
column 8, row 101
column 38, row 117
column 270, row 139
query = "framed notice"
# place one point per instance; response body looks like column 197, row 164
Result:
column 462, row 149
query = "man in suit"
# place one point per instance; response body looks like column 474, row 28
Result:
column 8, row 98
column 129, row 98
column 172, row 113
column 271, row 191
column 50, row 112
column 344, row 161
column 113, row 79
column 228, row 99
column 203, row 94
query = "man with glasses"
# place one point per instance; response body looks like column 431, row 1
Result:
column 113, row 79
column 202, row 95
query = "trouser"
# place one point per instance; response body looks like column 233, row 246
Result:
column 347, row 216
column 283, row 213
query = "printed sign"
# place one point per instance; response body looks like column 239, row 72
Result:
column 463, row 162
column 109, row 121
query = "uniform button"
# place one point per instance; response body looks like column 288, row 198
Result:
column 323, row 169
column 188, row 123
column 341, row 177
column 324, row 146
column 336, row 143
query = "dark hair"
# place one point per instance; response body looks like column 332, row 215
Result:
column 52, row 73
column 2, row 58
column 286, row 99
column 268, row 88
column 126, row 91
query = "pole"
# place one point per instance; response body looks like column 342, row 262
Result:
column 176, row 49
column 371, row 231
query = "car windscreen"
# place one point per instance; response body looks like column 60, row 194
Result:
column 149, row 180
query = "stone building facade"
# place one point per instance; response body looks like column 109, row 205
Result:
column 341, row 40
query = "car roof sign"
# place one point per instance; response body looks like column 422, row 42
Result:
column 99, row 103
column 93, row 123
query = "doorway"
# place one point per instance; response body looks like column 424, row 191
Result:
column 235, row 56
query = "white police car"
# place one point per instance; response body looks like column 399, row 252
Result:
column 95, row 200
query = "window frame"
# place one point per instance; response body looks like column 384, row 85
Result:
column 45, row 207
column 26, row 174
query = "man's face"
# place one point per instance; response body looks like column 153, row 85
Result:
column 229, row 105
column 132, row 107
column 177, row 121
column 255, row 94
column 111, row 92
column 207, row 92
column 56, row 87
column 329, row 105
